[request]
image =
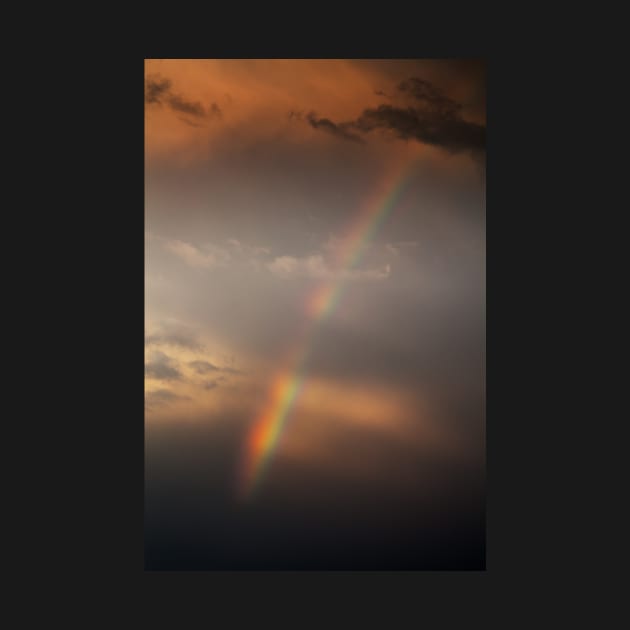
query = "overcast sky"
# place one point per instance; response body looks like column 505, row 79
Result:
column 259, row 178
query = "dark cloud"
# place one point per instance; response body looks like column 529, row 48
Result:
column 186, row 107
column 211, row 384
column 429, row 95
column 159, row 91
column 156, row 89
column 340, row 130
column 434, row 127
column 203, row 367
column 162, row 372
column 161, row 367
column 432, row 118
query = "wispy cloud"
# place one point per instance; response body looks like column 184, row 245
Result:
column 195, row 257
column 173, row 334
column 161, row 367
column 339, row 130
column 203, row 367
column 247, row 250
column 211, row 255
column 159, row 91
column 315, row 266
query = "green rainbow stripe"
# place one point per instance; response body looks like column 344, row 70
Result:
column 285, row 389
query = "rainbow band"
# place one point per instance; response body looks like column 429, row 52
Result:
column 264, row 435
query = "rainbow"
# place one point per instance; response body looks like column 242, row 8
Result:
column 285, row 389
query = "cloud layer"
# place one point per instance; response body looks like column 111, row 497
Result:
column 438, row 103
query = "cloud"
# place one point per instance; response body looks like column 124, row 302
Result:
column 203, row 367
column 211, row 384
column 186, row 107
column 156, row 89
column 216, row 256
column 161, row 367
column 247, row 250
column 445, row 130
column 159, row 91
column 194, row 257
column 169, row 334
column 314, row 266
column 429, row 95
column 162, row 372
column 340, row 130
column 265, row 92
column 432, row 118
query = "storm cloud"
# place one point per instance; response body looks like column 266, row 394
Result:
column 435, row 127
column 433, row 119
column 341, row 130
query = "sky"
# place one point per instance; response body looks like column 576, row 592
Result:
column 314, row 314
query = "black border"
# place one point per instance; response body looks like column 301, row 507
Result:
column 315, row 571
column 524, row 571
column 335, row 574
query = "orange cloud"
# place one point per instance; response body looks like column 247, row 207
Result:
column 270, row 99
column 329, row 413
